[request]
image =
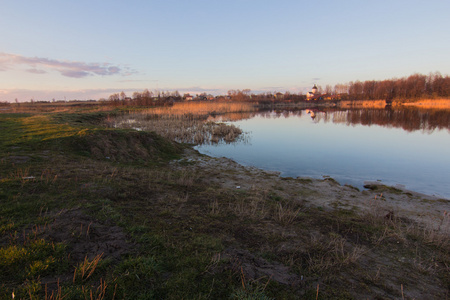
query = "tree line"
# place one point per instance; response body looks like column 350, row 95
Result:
column 145, row 98
column 416, row 86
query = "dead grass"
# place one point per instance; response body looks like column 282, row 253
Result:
column 426, row 103
column 439, row 234
column 203, row 108
column 286, row 214
column 186, row 122
column 393, row 227
column 332, row 253
column 252, row 208
column 185, row 128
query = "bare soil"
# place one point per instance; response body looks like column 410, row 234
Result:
column 86, row 236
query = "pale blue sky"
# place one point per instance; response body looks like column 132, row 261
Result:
column 90, row 49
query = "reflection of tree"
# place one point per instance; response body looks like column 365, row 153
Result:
column 408, row 119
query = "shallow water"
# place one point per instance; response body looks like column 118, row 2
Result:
column 410, row 148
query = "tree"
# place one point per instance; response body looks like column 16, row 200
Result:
column 122, row 96
column 341, row 88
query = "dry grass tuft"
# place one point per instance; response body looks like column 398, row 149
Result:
column 250, row 208
column 332, row 253
column 286, row 215
column 86, row 268
column 185, row 122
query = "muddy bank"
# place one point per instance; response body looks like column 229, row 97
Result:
column 372, row 244
column 429, row 211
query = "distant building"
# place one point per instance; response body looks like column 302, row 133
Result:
column 313, row 95
column 279, row 96
column 188, row 97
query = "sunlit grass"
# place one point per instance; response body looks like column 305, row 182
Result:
column 34, row 258
column 203, row 108
column 428, row 103
column 42, row 127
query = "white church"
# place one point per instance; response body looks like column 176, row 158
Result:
column 314, row 94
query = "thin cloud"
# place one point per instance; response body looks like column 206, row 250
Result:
column 74, row 69
column 36, row 71
column 135, row 80
column 271, row 88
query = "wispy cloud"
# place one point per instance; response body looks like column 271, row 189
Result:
column 36, row 71
column 74, row 69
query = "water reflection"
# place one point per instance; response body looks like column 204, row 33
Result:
column 407, row 119
column 426, row 120
column 397, row 146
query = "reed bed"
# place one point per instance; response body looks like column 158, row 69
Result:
column 203, row 108
column 427, row 103
column 186, row 122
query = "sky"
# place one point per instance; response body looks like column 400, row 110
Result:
column 91, row 49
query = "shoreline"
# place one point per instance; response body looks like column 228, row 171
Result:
column 439, row 104
column 425, row 210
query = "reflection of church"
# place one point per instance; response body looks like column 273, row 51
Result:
column 311, row 112
column 314, row 94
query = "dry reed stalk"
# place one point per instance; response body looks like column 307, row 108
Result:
column 184, row 123
column 204, row 108
column 55, row 295
column 438, row 234
column 333, row 254
column 87, row 268
column 215, row 210
column 251, row 208
column 286, row 215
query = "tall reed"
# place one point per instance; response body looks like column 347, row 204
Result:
column 186, row 122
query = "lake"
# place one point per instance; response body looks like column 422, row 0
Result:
column 409, row 148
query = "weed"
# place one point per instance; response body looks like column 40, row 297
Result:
column 215, row 209
column 286, row 215
column 253, row 208
column 85, row 269
column 333, row 254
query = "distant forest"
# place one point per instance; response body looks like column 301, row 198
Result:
column 416, row 86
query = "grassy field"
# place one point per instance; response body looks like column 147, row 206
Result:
column 93, row 212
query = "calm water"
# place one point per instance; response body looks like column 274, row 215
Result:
column 406, row 147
